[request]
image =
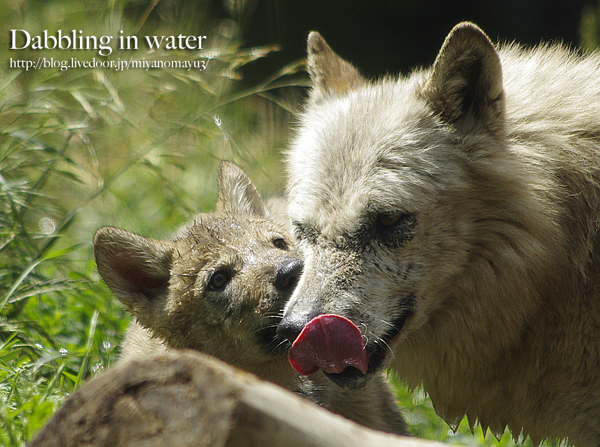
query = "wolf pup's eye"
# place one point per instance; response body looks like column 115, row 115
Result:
column 218, row 280
column 279, row 242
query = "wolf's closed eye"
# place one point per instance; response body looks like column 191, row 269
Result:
column 387, row 220
column 395, row 228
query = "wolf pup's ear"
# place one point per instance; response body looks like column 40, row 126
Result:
column 136, row 269
column 329, row 73
column 465, row 85
column 237, row 193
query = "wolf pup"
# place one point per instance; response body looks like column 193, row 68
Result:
column 220, row 287
column 452, row 216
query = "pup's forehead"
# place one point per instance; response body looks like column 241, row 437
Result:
column 215, row 238
column 224, row 229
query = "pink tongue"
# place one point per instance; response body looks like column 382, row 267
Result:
column 329, row 342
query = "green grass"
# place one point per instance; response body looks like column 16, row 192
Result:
column 84, row 148
column 137, row 149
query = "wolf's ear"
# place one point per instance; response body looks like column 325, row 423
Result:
column 136, row 269
column 237, row 193
column 465, row 85
column 329, row 73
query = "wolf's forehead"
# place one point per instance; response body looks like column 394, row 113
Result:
column 334, row 205
column 356, row 155
column 344, row 138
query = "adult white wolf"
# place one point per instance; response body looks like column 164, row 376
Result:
column 452, row 216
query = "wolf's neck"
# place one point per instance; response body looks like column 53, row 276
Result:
column 537, row 380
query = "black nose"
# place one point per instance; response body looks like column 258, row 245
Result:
column 295, row 318
column 289, row 328
column 288, row 274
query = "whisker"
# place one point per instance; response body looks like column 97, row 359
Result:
column 263, row 328
column 366, row 340
column 389, row 348
column 387, row 323
column 282, row 343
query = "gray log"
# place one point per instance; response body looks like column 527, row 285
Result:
column 183, row 399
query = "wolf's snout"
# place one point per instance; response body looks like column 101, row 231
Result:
column 288, row 274
column 290, row 327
